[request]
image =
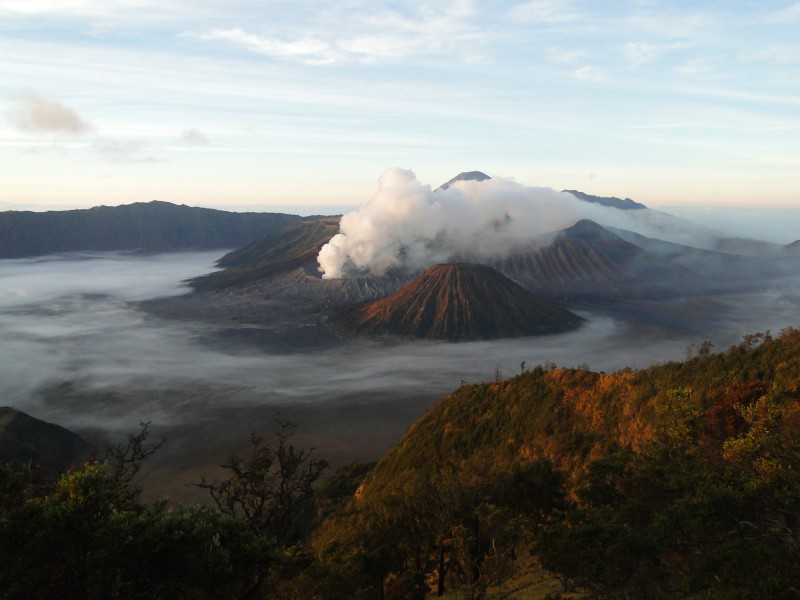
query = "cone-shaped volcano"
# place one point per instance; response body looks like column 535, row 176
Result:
column 457, row 302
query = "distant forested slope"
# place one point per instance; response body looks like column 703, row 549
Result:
column 151, row 226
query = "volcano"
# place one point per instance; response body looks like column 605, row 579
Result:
column 456, row 302
column 586, row 263
column 465, row 176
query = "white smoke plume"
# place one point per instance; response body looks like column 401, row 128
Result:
column 407, row 224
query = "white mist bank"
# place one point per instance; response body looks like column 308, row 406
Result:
column 777, row 224
column 69, row 319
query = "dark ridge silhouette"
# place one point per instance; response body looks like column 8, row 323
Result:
column 148, row 226
column 456, row 302
column 25, row 439
column 611, row 201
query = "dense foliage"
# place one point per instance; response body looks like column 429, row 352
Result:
column 89, row 535
column 677, row 481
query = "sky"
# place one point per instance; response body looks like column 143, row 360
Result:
column 241, row 104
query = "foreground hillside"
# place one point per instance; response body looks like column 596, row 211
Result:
column 676, row 481
column 149, row 226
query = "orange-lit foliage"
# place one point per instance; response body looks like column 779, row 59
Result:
column 682, row 456
column 724, row 417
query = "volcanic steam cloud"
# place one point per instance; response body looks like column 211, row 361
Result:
column 409, row 225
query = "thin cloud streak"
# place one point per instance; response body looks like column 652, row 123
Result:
column 194, row 137
column 309, row 50
column 364, row 37
column 545, row 11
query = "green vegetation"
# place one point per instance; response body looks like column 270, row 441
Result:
column 677, row 481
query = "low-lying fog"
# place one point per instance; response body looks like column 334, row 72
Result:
column 77, row 351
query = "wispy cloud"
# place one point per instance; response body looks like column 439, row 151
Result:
column 567, row 56
column 308, row 49
column 123, row 151
column 788, row 14
column 545, row 11
column 38, row 7
column 779, row 54
column 455, row 28
column 697, row 66
column 33, row 113
column 195, row 137
column 374, row 83
column 116, row 10
column 590, row 73
column 639, row 53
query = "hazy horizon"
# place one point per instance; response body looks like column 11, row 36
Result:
column 780, row 225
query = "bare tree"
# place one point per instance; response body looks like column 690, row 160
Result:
column 268, row 488
column 125, row 460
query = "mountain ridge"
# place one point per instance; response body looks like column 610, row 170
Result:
column 155, row 226
column 584, row 263
column 610, row 201
column 25, row 439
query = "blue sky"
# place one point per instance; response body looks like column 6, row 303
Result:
column 290, row 104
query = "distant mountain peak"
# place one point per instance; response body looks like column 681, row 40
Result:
column 611, row 201
column 586, row 229
column 586, row 226
column 465, row 176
